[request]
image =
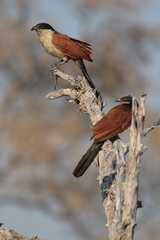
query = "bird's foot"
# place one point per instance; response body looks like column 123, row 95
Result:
column 54, row 66
column 57, row 64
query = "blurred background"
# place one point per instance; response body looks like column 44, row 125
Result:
column 41, row 141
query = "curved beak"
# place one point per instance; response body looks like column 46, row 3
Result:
column 118, row 100
column 33, row 28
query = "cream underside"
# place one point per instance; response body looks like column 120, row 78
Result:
column 45, row 39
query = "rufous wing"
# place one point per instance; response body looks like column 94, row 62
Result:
column 73, row 48
column 117, row 120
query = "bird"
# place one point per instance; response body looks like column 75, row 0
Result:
column 117, row 120
column 64, row 47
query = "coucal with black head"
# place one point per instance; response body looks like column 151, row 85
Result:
column 64, row 47
column 117, row 120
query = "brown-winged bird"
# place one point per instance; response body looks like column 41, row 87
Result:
column 64, row 47
column 117, row 120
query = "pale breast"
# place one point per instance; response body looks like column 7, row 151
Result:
column 45, row 38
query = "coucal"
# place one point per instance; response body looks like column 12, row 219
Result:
column 114, row 122
column 64, row 47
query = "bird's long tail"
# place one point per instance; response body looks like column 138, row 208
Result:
column 80, row 64
column 87, row 159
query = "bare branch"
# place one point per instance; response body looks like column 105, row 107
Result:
column 72, row 93
column 82, row 93
column 11, row 234
column 145, row 132
column 67, row 77
column 150, row 128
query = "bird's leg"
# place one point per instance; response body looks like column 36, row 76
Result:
column 57, row 64
column 54, row 66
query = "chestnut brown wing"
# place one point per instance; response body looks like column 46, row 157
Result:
column 73, row 48
column 114, row 122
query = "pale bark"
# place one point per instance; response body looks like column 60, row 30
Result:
column 11, row 235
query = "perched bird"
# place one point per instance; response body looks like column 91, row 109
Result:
column 64, row 47
column 114, row 122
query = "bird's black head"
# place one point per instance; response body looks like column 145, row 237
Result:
column 41, row 26
column 125, row 100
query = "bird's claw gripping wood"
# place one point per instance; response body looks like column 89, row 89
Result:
column 57, row 64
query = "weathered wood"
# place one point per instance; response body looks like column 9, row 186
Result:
column 130, row 186
column 14, row 235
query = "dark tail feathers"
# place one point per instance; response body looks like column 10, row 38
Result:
column 87, row 159
column 80, row 64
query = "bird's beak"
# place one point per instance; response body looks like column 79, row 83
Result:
column 118, row 100
column 33, row 28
